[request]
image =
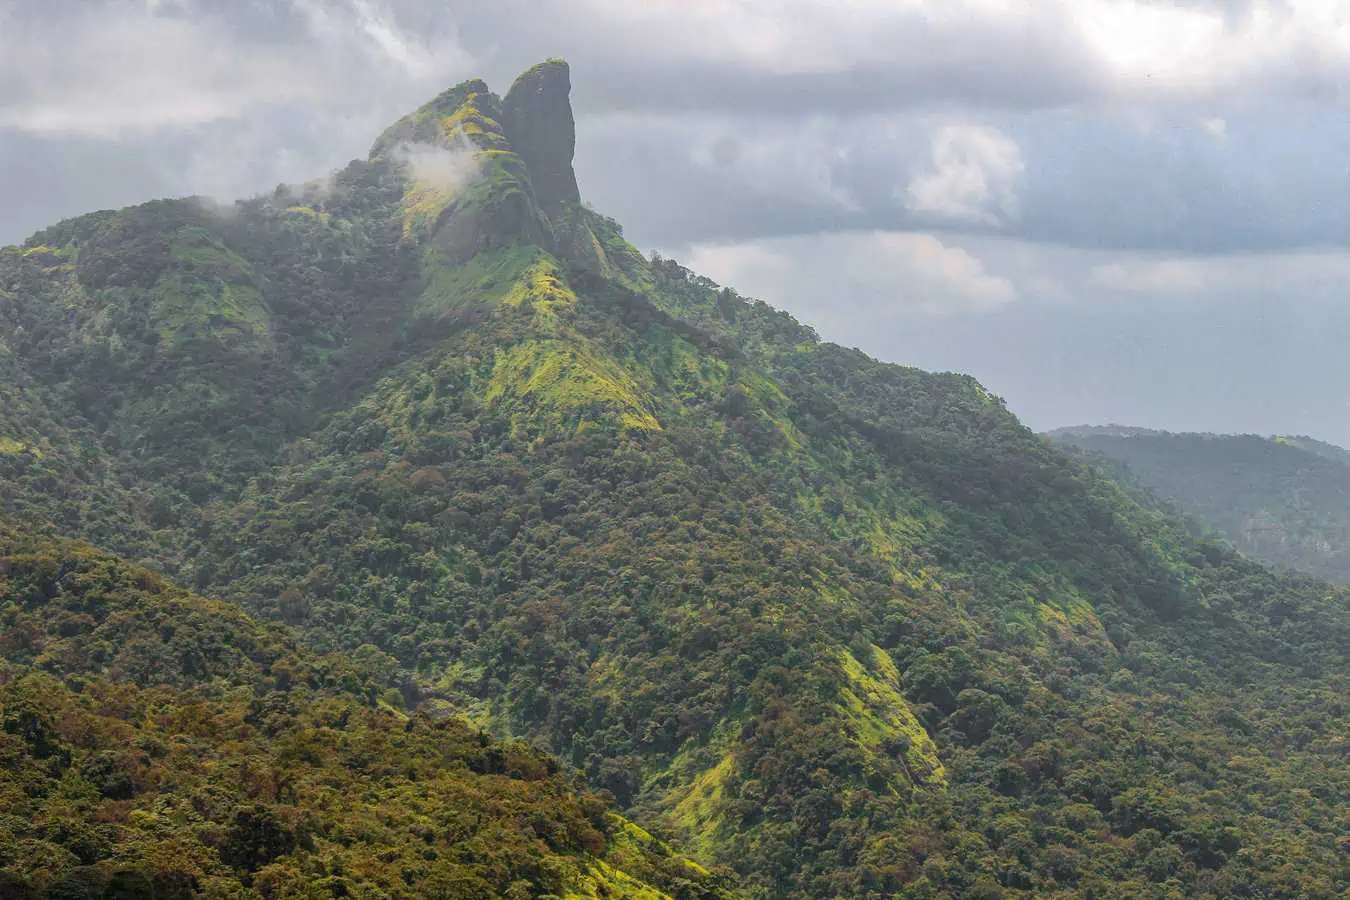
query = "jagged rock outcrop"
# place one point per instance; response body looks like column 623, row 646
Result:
column 537, row 117
column 468, row 189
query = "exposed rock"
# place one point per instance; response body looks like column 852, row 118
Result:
column 467, row 190
column 537, row 118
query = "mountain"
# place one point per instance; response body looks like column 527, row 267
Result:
column 1283, row 500
column 845, row 627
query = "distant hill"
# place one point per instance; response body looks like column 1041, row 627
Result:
column 1284, row 500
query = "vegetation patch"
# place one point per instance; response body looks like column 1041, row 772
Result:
column 486, row 279
column 699, row 814
column 11, row 446
column 565, row 378
column 208, row 292
column 541, row 290
column 880, row 716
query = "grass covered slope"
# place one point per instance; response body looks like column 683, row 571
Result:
column 1283, row 500
column 159, row 744
column 846, row 627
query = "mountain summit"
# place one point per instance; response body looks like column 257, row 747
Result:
column 843, row 627
column 537, row 116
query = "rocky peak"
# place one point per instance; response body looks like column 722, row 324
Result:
column 537, row 118
column 426, row 125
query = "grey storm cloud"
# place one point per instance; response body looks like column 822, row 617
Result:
column 1272, row 179
column 1196, row 126
column 974, row 184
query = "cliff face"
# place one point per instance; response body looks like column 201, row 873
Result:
column 537, row 116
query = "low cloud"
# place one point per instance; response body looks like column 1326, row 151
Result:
column 1169, row 277
column 1324, row 275
column 437, row 166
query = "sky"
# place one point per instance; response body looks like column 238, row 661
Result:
column 1109, row 211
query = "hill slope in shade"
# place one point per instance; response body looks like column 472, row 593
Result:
column 846, row 627
column 157, row 744
column 1282, row 500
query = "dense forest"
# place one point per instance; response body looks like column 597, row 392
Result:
column 1284, row 500
column 520, row 508
column 157, row 744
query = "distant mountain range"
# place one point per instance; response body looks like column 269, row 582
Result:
column 1284, row 499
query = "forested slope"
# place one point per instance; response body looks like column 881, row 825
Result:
column 157, row 744
column 1283, row 500
column 846, row 627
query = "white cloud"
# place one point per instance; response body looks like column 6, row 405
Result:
column 1214, row 127
column 126, row 68
column 1170, row 277
column 1215, row 279
column 974, row 177
column 870, row 282
column 1197, row 51
column 114, row 66
column 789, row 37
column 758, row 268
column 956, row 278
column 443, row 168
column 1124, row 49
column 129, row 70
column 875, row 276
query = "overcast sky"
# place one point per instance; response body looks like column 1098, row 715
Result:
column 1126, row 211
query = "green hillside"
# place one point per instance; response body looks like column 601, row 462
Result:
column 1283, row 500
column 157, row 744
column 845, row 627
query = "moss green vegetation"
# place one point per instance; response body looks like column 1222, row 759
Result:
column 846, row 628
column 9, row 445
column 207, row 292
column 698, row 814
column 497, row 277
column 563, row 378
column 880, row 716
